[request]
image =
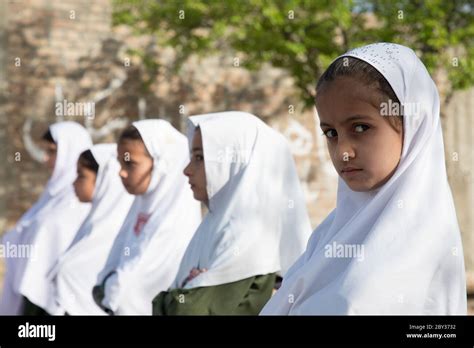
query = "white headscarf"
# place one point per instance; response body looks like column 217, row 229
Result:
column 412, row 258
column 147, row 252
column 76, row 272
column 49, row 226
column 257, row 222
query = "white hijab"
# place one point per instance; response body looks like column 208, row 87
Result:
column 412, row 257
column 49, row 226
column 75, row 274
column 147, row 252
column 257, row 222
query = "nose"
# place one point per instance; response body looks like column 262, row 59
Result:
column 345, row 150
column 187, row 171
column 123, row 173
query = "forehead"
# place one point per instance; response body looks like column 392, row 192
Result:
column 82, row 168
column 346, row 97
column 49, row 145
column 197, row 139
column 134, row 147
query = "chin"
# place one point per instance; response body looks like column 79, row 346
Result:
column 132, row 192
column 136, row 192
column 358, row 187
column 129, row 189
column 198, row 197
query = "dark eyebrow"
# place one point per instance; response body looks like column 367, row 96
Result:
column 119, row 158
column 349, row 119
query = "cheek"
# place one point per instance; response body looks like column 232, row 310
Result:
column 332, row 151
column 81, row 187
column 91, row 187
column 136, row 174
column 147, row 179
column 142, row 176
column 201, row 173
column 382, row 155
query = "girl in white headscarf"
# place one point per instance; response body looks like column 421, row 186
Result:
column 148, row 249
column 49, row 226
column 392, row 245
column 257, row 223
column 76, row 272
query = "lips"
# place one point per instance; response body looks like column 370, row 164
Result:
column 350, row 169
column 349, row 172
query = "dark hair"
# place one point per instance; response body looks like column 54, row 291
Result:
column 366, row 73
column 130, row 133
column 48, row 137
column 87, row 160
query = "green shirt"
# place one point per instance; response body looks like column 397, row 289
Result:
column 29, row 308
column 243, row 297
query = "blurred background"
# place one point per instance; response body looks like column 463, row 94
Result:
column 169, row 59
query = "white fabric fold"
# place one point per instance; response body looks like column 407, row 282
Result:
column 48, row 227
column 75, row 273
column 147, row 252
column 412, row 253
column 257, row 222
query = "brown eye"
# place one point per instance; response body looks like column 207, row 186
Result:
column 360, row 128
column 330, row 133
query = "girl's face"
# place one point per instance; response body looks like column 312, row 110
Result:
column 136, row 166
column 195, row 170
column 85, row 183
column 50, row 150
column 364, row 148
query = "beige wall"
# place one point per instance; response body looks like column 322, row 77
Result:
column 458, row 128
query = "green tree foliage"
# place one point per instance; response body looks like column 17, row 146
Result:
column 304, row 36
